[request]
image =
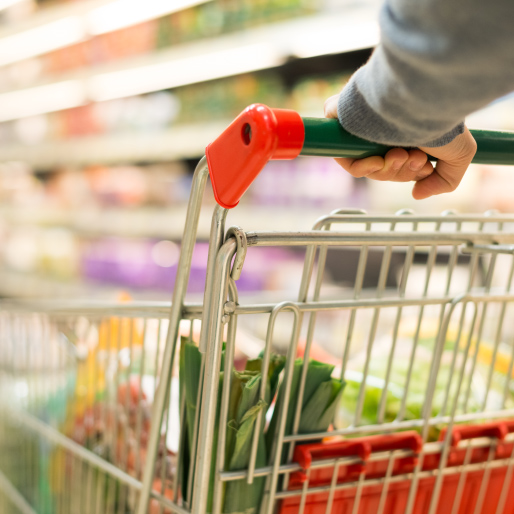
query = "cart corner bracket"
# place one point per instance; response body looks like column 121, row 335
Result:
column 238, row 155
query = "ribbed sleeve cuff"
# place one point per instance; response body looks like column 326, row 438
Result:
column 358, row 118
column 446, row 138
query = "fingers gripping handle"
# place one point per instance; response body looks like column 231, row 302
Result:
column 259, row 134
column 327, row 138
column 238, row 155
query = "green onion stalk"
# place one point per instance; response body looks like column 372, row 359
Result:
column 320, row 399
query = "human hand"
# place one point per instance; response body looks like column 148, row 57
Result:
column 453, row 160
column 401, row 165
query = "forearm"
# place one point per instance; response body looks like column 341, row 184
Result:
column 438, row 61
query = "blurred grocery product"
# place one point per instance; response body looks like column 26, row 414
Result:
column 120, row 221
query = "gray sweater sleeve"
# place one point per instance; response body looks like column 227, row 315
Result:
column 438, row 61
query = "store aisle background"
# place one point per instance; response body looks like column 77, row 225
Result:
column 107, row 105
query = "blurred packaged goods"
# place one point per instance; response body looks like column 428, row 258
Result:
column 305, row 182
column 225, row 16
column 204, row 102
column 215, row 100
column 149, row 264
column 308, row 95
column 92, row 187
column 53, row 251
column 126, row 42
column 120, row 225
column 211, row 19
column 224, row 99
column 136, row 264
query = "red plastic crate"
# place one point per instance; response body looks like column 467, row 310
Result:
column 398, row 491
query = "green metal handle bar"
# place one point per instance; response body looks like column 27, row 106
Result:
column 326, row 138
column 260, row 134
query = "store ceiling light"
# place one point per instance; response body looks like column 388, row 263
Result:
column 41, row 99
column 124, row 13
column 179, row 72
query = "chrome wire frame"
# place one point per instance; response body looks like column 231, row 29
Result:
column 473, row 312
column 83, row 435
column 120, row 471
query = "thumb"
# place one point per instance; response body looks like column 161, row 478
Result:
column 445, row 179
column 454, row 159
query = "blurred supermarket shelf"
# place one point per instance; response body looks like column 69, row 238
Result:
column 180, row 142
column 69, row 23
column 15, row 284
column 184, row 141
column 158, row 222
column 255, row 49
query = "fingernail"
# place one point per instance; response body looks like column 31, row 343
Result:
column 415, row 166
column 397, row 165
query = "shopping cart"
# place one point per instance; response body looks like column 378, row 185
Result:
column 100, row 415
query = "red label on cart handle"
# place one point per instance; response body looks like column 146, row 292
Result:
column 256, row 136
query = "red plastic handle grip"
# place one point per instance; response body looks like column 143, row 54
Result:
column 509, row 423
column 400, row 441
column 497, row 429
column 239, row 154
column 362, row 447
column 305, row 454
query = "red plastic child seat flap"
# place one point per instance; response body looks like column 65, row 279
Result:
column 462, row 490
column 239, row 154
column 497, row 429
column 361, row 448
column 369, row 497
column 494, row 430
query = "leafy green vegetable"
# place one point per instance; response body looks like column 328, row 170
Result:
column 445, row 388
column 190, row 370
column 320, row 400
column 239, row 495
column 191, row 376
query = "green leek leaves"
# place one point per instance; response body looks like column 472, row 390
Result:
column 320, row 399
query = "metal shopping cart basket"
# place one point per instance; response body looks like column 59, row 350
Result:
column 415, row 415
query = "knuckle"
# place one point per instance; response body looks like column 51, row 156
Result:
column 354, row 172
column 467, row 149
column 473, row 147
column 423, row 174
column 427, row 169
column 469, row 152
column 418, row 154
